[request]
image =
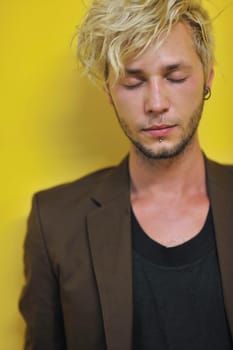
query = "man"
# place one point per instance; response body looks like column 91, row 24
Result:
column 138, row 256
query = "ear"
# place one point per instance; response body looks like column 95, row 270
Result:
column 108, row 93
column 210, row 78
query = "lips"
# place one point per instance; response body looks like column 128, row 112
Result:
column 160, row 129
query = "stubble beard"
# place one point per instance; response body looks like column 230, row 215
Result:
column 163, row 152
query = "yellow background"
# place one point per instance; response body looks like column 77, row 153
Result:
column 55, row 126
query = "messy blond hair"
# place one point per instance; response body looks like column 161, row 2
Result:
column 115, row 30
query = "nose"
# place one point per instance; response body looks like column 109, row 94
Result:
column 156, row 98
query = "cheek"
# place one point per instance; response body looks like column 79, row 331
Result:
column 190, row 95
column 126, row 104
column 196, row 92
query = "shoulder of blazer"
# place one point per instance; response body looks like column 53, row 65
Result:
column 80, row 187
column 60, row 213
column 219, row 174
column 81, row 195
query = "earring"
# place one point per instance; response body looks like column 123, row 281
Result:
column 207, row 93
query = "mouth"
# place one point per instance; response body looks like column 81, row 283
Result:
column 160, row 129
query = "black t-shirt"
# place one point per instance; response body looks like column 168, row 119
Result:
column 177, row 294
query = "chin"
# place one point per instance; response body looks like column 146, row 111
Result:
column 162, row 151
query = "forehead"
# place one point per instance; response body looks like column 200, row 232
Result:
column 176, row 49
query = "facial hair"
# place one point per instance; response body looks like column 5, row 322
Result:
column 163, row 153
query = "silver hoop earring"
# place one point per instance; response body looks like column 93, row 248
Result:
column 207, row 93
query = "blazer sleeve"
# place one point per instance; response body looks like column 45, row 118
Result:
column 40, row 302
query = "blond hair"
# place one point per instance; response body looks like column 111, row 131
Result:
column 115, row 30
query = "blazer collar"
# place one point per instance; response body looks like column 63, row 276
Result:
column 220, row 190
column 109, row 230
column 115, row 184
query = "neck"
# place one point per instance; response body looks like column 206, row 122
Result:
column 184, row 173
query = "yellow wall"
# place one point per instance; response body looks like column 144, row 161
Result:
column 56, row 127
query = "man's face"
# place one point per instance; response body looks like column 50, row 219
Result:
column 159, row 100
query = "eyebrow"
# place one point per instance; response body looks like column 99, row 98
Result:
column 176, row 66
column 130, row 71
column 166, row 69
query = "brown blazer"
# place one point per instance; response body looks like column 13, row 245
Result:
column 78, row 292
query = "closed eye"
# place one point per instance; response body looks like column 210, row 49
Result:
column 133, row 86
column 177, row 80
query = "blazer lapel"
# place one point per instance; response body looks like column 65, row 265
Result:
column 219, row 182
column 109, row 232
